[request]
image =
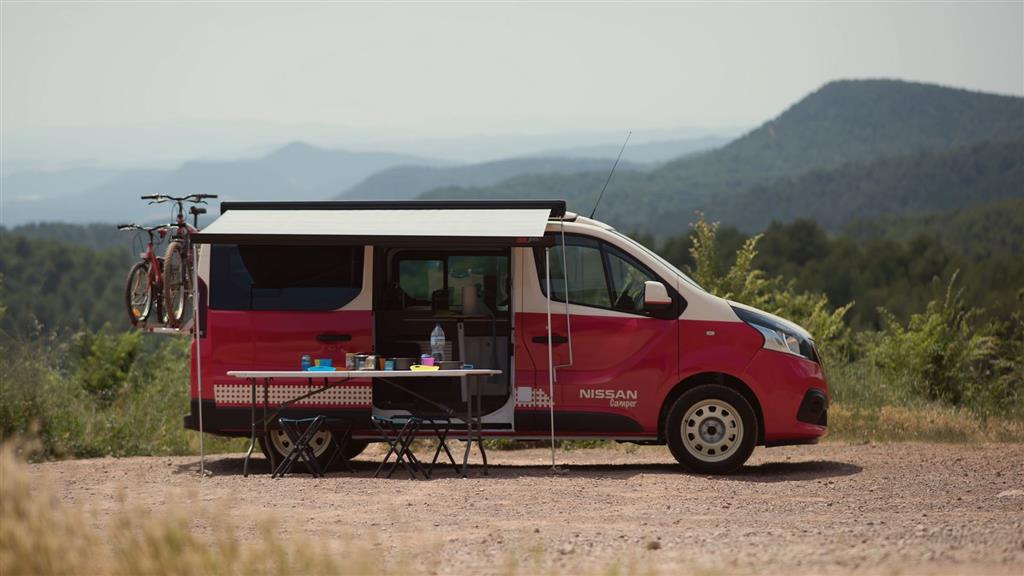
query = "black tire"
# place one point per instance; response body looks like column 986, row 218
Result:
column 320, row 444
column 138, row 295
column 355, row 448
column 719, row 433
column 175, row 293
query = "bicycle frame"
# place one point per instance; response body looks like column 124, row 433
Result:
column 155, row 274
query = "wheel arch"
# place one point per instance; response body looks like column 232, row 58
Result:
column 720, row 378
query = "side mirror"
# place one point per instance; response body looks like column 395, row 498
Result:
column 656, row 296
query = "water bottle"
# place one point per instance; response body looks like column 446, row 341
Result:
column 437, row 343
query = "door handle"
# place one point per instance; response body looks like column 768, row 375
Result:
column 556, row 339
column 334, row 337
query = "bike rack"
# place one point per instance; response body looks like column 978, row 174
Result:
column 185, row 330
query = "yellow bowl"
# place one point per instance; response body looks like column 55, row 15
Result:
column 423, row 368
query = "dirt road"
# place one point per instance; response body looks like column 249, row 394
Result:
column 832, row 508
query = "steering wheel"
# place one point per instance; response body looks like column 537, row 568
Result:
column 625, row 301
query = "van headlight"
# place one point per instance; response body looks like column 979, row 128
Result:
column 778, row 336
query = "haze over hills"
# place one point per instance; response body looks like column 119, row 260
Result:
column 643, row 152
column 404, row 182
column 296, row 171
column 409, row 181
column 842, row 122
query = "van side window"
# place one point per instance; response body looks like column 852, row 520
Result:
column 284, row 277
column 584, row 268
column 418, row 279
column 600, row 275
column 627, row 281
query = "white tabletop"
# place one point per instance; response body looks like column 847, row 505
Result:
column 322, row 375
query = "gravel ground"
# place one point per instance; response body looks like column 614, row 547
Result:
column 831, row 508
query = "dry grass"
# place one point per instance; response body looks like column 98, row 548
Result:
column 927, row 423
column 41, row 535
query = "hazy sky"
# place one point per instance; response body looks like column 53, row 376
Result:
column 448, row 69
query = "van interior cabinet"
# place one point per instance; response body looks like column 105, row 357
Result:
column 466, row 293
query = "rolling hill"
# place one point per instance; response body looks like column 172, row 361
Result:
column 900, row 185
column 645, row 152
column 404, row 182
column 851, row 121
column 296, row 171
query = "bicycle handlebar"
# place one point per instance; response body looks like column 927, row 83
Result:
column 160, row 198
column 143, row 228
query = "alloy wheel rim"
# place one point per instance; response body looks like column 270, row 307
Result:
column 712, row 430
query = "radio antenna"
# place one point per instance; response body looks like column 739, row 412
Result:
column 619, row 157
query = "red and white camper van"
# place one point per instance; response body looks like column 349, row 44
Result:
column 590, row 329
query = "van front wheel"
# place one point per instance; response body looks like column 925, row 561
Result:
column 711, row 429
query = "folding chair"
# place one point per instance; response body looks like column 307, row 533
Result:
column 401, row 430
column 301, row 431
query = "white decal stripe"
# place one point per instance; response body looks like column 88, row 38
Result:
column 241, row 395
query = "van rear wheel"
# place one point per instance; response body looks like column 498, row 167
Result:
column 282, row 446
column 711, row 429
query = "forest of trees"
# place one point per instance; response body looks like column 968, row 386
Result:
column 67, row 276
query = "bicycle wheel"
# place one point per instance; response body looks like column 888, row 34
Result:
column 137, row 294
column 174, row 284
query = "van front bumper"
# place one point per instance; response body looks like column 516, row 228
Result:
column 793, row 394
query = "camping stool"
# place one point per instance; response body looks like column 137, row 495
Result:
column 300, row 432
column 441, row 424
column 399, row 432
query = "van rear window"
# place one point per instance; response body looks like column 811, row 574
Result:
column 284, row 277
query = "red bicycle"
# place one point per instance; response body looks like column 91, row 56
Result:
column 178, row 265
column 143, row 290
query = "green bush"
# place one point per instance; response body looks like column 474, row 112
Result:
column 99, row 394
column 104, row 360
column 947, row 354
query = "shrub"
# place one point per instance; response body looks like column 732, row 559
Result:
column 104, row 360
column 82, row 402
column 947, row 354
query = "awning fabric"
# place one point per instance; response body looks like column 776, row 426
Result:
column 459, row 226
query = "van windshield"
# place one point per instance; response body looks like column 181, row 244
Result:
column 655, row 255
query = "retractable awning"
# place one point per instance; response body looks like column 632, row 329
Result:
column 498, row 223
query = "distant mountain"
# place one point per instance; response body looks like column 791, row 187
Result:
column 94, row 236
column 404, row 182
column 645, row 153
column 900, row 185
column 843, row 122
column 294, row 172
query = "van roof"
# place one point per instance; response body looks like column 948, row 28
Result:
column 556, row 207
column 494, row 223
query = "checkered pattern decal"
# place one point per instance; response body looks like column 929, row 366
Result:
column 241, row 395
column 539, row 399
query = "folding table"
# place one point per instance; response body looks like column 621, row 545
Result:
column 473, row 420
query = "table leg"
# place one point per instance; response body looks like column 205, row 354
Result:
column 266, row 432
column 469, row 427
column 480, row 426
column 252, row 441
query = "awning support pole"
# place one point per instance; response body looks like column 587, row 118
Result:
column 551, row 358
column 198, row 352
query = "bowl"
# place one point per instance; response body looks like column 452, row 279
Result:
column 403, row 363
